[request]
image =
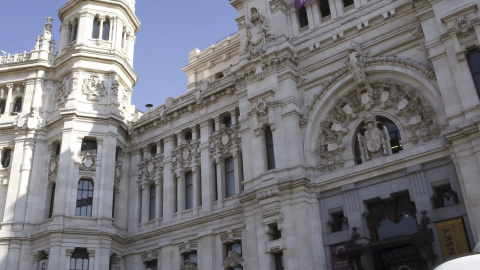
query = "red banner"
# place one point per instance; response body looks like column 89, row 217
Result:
column 300, row 3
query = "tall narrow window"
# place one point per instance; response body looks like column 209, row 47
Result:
column 106, row 29
column 89, row 145
column 79, row 259
column 324, row 8
column 235, row 247
column 113, row 201
column 473, row 58
column 279, row 261
column 227, row 121
column 3, row 104
column 84, row 198
column 96, row 28
column 153, row 265
column 188, row 190
column 17, row 106
column 52, row 200
column 270, row 152
column 6, row 158
column 302, row 16
column 151, row 208
column 347, row 3
column 190, row 257
column 153, row 150
column 229, row 178
column 215, row 190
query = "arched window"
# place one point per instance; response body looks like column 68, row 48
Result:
column 96, row 28
column 302, row 16
column 84, row 198
column 106, row 29
column 393, row 132
column 79, row 260
column 17, row 106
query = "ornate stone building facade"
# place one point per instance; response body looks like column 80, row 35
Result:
column 341, row 135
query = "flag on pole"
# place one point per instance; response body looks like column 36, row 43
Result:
column 300, row 3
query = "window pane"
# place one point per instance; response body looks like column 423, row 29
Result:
column 2, row 106
column 96, row 28
column 106, row 30
column 474, row 61
column 188, row 190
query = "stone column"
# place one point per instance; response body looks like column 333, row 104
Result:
column 220, row 166
column 217, row 123
column 196, row 186
column 68, row 257
column 158, row 198
column 311, row 19
column 353, row 209
column 207, row 185
column 159, row 148
column 134, row 196
column 145, row 205
column 85, row 27
column 338, row 7
column 180, row 191
column 100, row 31
column 91, row 259
column 64, row 38
column 13, row 256
column 106, row 155
column 146, row 153
column 168, row 180
column 237, row 172
column 8, row 102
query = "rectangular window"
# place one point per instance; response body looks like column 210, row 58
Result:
column 340, row 222
column 52, row 199
column 215, row 185
column 151, row 208
column 235, row 247
column 347, row 3
column 6, row 158
column 324, row 8
column 84, row 198
column 473, row 58
column 2, row 106
column 153, row 265
column 79, row 259
column 302, row 17
column 106, row 30
column 279, row 261
column 113, row 201
column 89, row 145
column 188, row 190
column 229, row 178
column 190, row 257
column 270, row 151
column 444, row 196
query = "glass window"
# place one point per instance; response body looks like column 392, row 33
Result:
column 347, row 3
column 6, row 157
column 88, row 144
column 340, row 222
column 276, row 233
column 188, row 190
column 113, row 201
column 153, row 150
column 52, row 200
column 229, row 178
column 324, row 8
column 188, row 136
column 444, row 196
column 152, row 265
column 84, row 198
column 227, row 121
column 106, row 30
column 17, row 106
column 191, row 257
column 302, row 16
column 270, row 151
column 79, row 259
column 279, row 261
column 235, row 247
column 473, row 58
column 96, row 28
column 151, row 208
column 2, row 106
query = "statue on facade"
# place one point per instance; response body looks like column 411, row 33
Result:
column 93, row 87
column 258, row 33
column 355, row 64
column 375, row 141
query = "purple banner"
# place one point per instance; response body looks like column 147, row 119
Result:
column 300, row 3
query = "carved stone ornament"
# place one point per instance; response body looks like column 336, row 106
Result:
column 88, row 161
column 233, row 260
column 356, row 63
column 186, row 155
column 225, row 141
column 150, row 169
column 258, row 33
column 188, row 265
column 463, row 26
column 114, row 88
column 93, row 87
column 375, row 142
column 53, row 165
column 62, row 91
column 403, row 101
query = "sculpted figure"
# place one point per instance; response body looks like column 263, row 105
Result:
column 375, row 141
column 355, row 64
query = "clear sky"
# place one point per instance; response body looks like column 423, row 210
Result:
column 169, row 31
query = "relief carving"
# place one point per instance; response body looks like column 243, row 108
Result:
column 93, row 87
column 88, row 161
column 187, row 154
column 150, row 169
column 375, row 142
column 233, row 260
column 225, row 141
column 463, row 26
column 258, row 33
column 188, row 265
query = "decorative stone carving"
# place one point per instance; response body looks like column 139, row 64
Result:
column 375, row 142
column 88, row 161
column 356, row 63
column 118, row 168
column 258, row 33
column 225, row 141
column 463, row 26
column 265, row 194
column 233, row 260
column 93, row 87
column 150, row 169
column 61, row 93
column 114, row 88
column 263, row 114
column 187, row 154
column 188, row 265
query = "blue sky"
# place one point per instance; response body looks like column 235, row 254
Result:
column 168, row 33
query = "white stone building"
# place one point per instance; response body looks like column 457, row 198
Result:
column 342, row 135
